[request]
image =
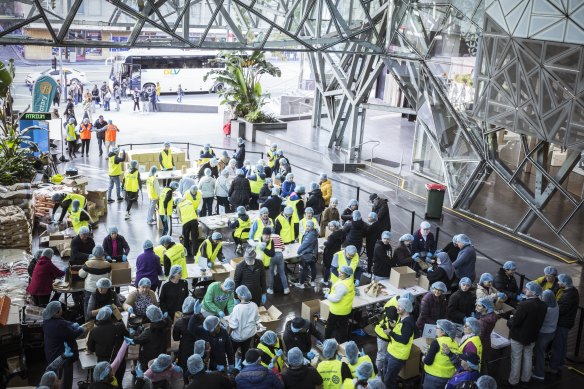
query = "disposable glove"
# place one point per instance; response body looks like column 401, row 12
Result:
column 501, row 296
column 129, row 341
column 221, row 314
column 416, row 257
column 279, row 352
column 271, row 366
column 198, row 306
column 131, row 311
column 108, row 258
column 357, row 283
column 362, row 353
column 68, row 353
column 124, row 258
column 310, row 355
column 165, row 315
column 176, row 368
column 220, row 368
column 429, row 255
column 139, row 371
column 264, row 299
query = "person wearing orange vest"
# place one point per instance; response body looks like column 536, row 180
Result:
column 85, row 129
column 400, row 343
column 111, row 132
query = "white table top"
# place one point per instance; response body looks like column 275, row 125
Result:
column 87, row 360
column 170, row 174
column 217, row 222
column 291, row 250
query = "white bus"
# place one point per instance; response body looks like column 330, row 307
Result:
column 143, row 68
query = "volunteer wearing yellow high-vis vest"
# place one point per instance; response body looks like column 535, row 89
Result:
column 258, row 225
column 400, row 343
column 332, row 370
column 256, row 180
column 340, row 305
column 132, row 184
column 115, row 172
column 240, row 226
column 347, row 257
column 272, row 155
column 71, row 138
column 356, row 358
column 175, row 254
column 471, row 341
column 387, row 322
column 211, row 248
column 284, row 226
column 308, row 215
column 190, row 223
column 273, row 260
column 65, row 201
column 165, row 204
column 437, row 364
column 153, row 191
column 166, row 161
column 273, row 354
column 362, row 372
column 78, row 216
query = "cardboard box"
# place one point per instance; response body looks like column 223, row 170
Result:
column 121, row 273
column 412, row 367
column 221, row 272
column 58, row 241
column 270, row 318
column 309, row 308
column 236, row 261
column 423, row 282
column 402, row 277
column 501, row 328
column 324, row 310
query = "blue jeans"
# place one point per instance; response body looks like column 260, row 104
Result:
column 151, row 211
column 277, row 264
column 542, row 343
column 114, row 180
column 391, row 370
column 559, row 348
column 433, row 382
column 164, row 221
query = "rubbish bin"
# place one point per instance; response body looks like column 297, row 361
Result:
column 435, row 200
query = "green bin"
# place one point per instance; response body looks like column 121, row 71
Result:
column 435, row 200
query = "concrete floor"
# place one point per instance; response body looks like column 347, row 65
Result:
column 206, row 128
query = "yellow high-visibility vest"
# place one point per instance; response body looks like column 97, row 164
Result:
column 76, row 222
column 330, row 371
column 151, row 187
column 302, row 227
column 186, row 211
column 360, row 360
column 342, row 261
column 442, row 367
column 161, row 210
column 210, row 253
column 345, row 305
column 292, row 203
column 131, row 181
column 195, row 200
column 476, row 340
column 72, row 197
column 266, row 258
column 176, row 255
column 256, row 185
column 71, row 135
column 242, row 230
column 384, row 321
column 257, row 236
column 166, row 160
column 114, row 169
column 287, row 231
column 399, row 350
column 160, row 250
column 279, row 360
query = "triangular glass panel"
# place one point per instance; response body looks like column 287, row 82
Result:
column 526, row 59
column 400, row 45
column 556, row 124
column 554, row 32
column 496, row 13
column 509, row 5
column 536, row 47
column 576, row 132
column 458, row 175
column 574, row 5
column 574, row 231
column 546, row 8
column 567, row 78
column 491, row 26
column 540, row 231
column 516, row 15
column 555, row 49
column 540, row 23
column 574, row 33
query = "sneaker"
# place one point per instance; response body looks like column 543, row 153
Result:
column 153, row 222
column 110, row 200
column 286, row 291
column 120, row 199
column 299, row 285
column 127, row 216
column 313, row 284
column 270, row 291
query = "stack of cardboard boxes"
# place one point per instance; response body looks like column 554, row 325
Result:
column 97, row 203
column 149, row 157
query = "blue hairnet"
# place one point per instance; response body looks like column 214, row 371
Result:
column 153, row 170
column 173, row 185
column 104, row 313
column 549, row 298
column 229, row 284
column 462, row 238
column 350, row 250
column 84, row 230
column 48, row 379
column 425, row 225
column 509, row 265
column 208, row 172
column 269, row 338
column 193, row 189
column 309, row 210
column 329, row 348
column 134, row 164
column 335, row 224
column 145, row 281
column 97, row 251
column 101, row 371
column 386, row 235
column 334, row 200
column 200, row 346
column 112, row 230
column 289, row 176
column 356, row 215
column 48, row 252
column 288, row 210
column 406, row 304
column 375, row 383
column 488, row 304
column 165, row 239
column 211, row 322
column 406, row 237
column 373, row 215
column 310, row 224
column 439, row 285
column 239, row 172
column 175, row 270
column 295, row 357
column 364, row 371
column 153, row 313
column 486, row 277
column 243, row 292
column 566, row 280
column 264, row 211
column 275, row 191
column 147, row 244
column 473, row 324
column 167, row 144
column 195, row 364
column 225, row 172
column 353, row 203
column 409, row 296
column 352, row 352
column 534, row 288
column 103, row 283
column 241, row 210
column 51, row 310
column 161, row 363
column 216, row 236
column 348, row 270
column 465, row 281
column 188, row 306
column 550, row 271
column 448, row 327
column 486, row 382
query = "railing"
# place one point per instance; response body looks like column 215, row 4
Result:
column 188, row 145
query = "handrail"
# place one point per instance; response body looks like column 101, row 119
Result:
column 377, row 143
column 188, row 144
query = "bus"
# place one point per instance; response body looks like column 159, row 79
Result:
column 143, row 68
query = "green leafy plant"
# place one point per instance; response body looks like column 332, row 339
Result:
column 240, row 78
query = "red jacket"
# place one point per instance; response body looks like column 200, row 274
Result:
column 43, row 275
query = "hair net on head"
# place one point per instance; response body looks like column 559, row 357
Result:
column 348, row 270
column 193, row 189
column 211, row 322
column 208, row 172
column 462, row 238
column 352, row 352
column 153, row 313
column 225, row 172
column 112, row 230
column 425, row 225
column 38, row 253
column 448, row 327
column 229, row 284
column 51, row 310
column 566, row 280
column 289, row 176
column 309, row 210
column 188, row 306
column 144, row 281
column 200, row 346
column 264, row 211
column 75, row 205
column 334, row 200
column 165, row 239
column 488, row 304
column 161, row 363
column 153, row 170
column 300, row 190
column 173, row 185
column 375, row 383
column 295, row 357
column 216, row 236
column 232, row 162
column 48, row 379
column 409, row 296
column 329, row 348
column 486, row 382
column 364, row 371
column 386, row 235
column 58, row 197
column 239, row 172
column 167, row 144
column 473, row 324
column 269, row 338
column 334, row 224
column 104, row 313
column 406, row 304
column 356, row 215
column 372, row 215
column 98, row 251
column 439, row 285
column 309, row 224
column 253, row 356
column 486, row 277
column 550, row 271
column 101, row 371
column 103, row 283
column 213, row 162
column 275, row 191
column 195, row 364
column 323, row 176
column 48, row 252
column 406, row 237
column 240, row 141
column 313, row 186
column 465, row 281
column 147, row 244
column 534, row 288
column 509, row 265
column 225, row 153
column 288, row 210
column 240, row 210
column 84, row 230
column 243, row 292
column 175, row 270
column 134, row 164
column 549, row 298
column 353, row 203
column 350, row 250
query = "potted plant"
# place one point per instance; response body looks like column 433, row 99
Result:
column 240, row 89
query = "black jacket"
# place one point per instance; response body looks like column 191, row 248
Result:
column 180, row 333
column 525, row 324
column 153, row 341
column 507, row 285
column 214, row 170
column 452, row 251
column 274, row 205
column 239, row 192
column 460, row 305
column 209, row 380
column 123, row 246
column 316, row 201
column 301, row 339
column 568, row 303
column 254, row 277
column 382, row 211
column 332, row 245
column 239, row 156
column 106, row 338
column 305, row 377
column 374, row 231
column 403, row 255
column 347, row 215
column 172, row 296
column 436, row 273
column 265, row 192
column 383, row 259
column 221, row 347
column 354, row 233
column 80, row 250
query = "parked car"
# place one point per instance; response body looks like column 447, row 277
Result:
column 73, row 76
